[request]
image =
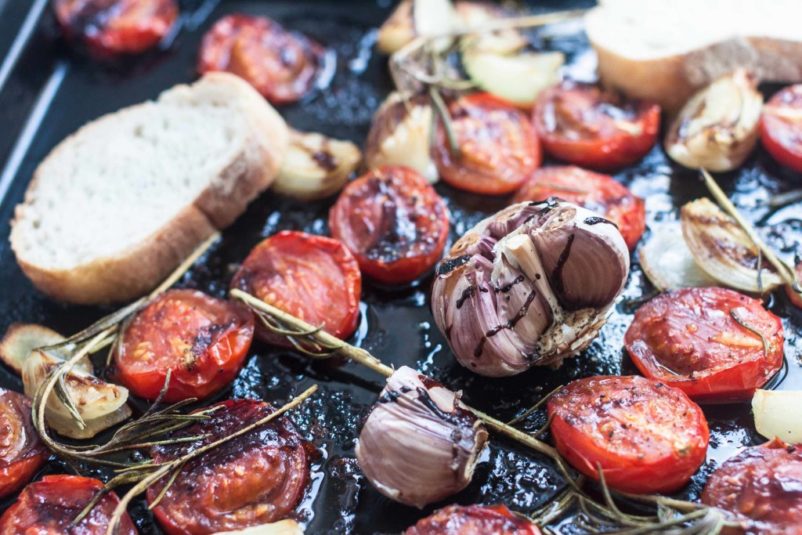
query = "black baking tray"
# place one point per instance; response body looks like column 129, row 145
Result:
column 47, row 90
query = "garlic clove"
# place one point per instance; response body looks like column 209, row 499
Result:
column 718, row 127
column 400, row 135
column 667, row 261
column 723, row 250
column 777, row 414
column 315, row 166
column 418, row 446
column 416, row 18
column 21, row 339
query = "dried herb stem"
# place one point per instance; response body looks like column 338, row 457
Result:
column 783, row 199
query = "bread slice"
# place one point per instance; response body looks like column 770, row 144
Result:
column 117, row 205
column 664, row 51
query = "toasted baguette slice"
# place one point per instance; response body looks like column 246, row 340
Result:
column 117, row 205
column 665, row 51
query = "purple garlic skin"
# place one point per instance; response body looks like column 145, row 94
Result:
column 528, row 286
column 418, row 446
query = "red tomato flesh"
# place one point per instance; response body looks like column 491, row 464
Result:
column 697, row 339
column 112, row 27
column 256, row 478
column 22, row 453
column 597, row 192
column 49, row 506
column 473, row 520
column 312, row 277
column 781, row 127
column 281, row 65
column 762, row 487
column 394, row 223
column 498, row 148
column 646, row 436
column 200, row 340
column 583, row 125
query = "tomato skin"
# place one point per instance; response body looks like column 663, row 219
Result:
column 690, row 340
column 48, row 507
column 585, row 126
column 760, row 487
column 22, row 453
column 201, row 340
column 312, row 277
column 782, row 136
column 595, row 191
column 498, row 146
column 647, row 437
column 257, row 478
column 283, row 66
column 113, row 27
column 473, row 520
column 394, row 223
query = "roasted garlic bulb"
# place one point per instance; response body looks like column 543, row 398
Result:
column 529, row 286
column 418, row 445
column 718, row 127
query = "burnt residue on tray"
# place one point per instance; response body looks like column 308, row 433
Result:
column 396, row 324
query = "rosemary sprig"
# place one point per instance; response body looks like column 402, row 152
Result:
column 783, row 199
column 742, row 323
column 680, row 516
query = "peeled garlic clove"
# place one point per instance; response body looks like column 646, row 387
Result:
column 718, row 127
column 517, row 78
column 416, row 18
column 777, row 414
column 22, row 338
column 315, row 166
column 400, row 135
column 418, row 446
column 100, row 404
column 723, row 250
column 529, row 286
column 667, row 261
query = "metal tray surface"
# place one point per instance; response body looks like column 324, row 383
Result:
column 48, row 90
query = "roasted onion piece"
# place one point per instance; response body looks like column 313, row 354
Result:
column 418, row 446
column 668, row 263
column 473, row 520
column 718, row 127
column 528, row 286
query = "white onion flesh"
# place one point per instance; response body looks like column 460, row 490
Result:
column 667, row 261
column 517, row 78
column 283, row 527
column 22, row 338
column 778, row 414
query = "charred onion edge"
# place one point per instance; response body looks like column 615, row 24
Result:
column 693, row 517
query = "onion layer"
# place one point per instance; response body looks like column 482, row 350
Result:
column 777, row 414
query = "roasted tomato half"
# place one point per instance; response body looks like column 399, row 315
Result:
column 594, row 191
column 256, row 478
column 200, row 340
column 312, row 277
column 761, row 487
column 281, row 65
column 473, row 520
column 22, row 454
column 111, row 27
column 49, row 506
column 715, row 344
column 646, row 436
column 781, row 127
column 586, row 126
column 498, row 148
column 393, row 221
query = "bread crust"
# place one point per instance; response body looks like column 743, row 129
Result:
column 138, row 269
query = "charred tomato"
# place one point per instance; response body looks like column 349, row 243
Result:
column 595, row 191
column 781, row 127
column 112, row 27
column 49, row 507
column 281, row 65
column 394, row 223
column 473, row 520
column 312, row 277
column 22, row 454
column 201, row 341
column 760, row 486
column 497, row 146
column 645, row 436
column 715, row 344
column 583, row 125
column 256, row 478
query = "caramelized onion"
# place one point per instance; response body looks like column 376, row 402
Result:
column 418, row 445
column 528, row 286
